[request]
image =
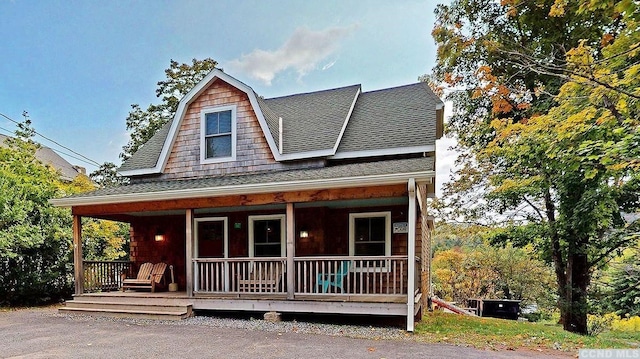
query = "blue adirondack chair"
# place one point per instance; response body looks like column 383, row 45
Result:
column 336, row 279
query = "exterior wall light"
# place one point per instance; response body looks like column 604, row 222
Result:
column 159, row 236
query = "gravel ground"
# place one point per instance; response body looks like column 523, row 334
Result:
column 303, row 327
column 43, row 333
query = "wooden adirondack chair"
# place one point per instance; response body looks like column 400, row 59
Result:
column 264, row 277
column 336, row 280
column 150, row 276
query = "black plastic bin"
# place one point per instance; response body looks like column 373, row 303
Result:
column 496, row 308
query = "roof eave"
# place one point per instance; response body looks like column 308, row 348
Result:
column 257, row 188
column 141, row 171
column 384, row 152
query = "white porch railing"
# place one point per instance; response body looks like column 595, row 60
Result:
column 351, row 275
column 332, row 275
column 240, row 275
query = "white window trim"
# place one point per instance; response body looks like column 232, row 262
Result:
column 352, row 230
column 226, row 234
column 281, row 217
column 203, row 131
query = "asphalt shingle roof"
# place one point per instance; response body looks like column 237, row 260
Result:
column 147, row 155
column 49, row 157
column 421, row 164
column 396, row 117
column 311, row 121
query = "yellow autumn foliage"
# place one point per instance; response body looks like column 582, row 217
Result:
column 631, row 324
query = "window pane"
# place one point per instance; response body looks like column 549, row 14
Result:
column 377, row 228
column 267, row 250
column 267, row 237
column 370, row 235
column 219, row 146
column 361, row 229
column 212, row 123
column 369, row 249
column 224, row 122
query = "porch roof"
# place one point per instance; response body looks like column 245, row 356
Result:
column 338, row 176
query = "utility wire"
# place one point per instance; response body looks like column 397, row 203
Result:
column 48, row 139
column 8, row 131
column 11, row 133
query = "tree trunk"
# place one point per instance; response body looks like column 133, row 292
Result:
column 575, row 301
column 559, row 267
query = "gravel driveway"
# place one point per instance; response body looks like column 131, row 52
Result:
column 43, row 333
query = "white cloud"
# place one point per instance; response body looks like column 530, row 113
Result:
column 328, row 66
column 302, row 52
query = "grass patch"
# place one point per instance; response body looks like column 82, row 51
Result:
column 500, row 334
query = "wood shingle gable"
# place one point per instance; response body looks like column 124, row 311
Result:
column 136, row 167
column 252, row 150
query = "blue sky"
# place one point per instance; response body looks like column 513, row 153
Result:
column 77, row 66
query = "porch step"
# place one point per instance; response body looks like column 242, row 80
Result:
column 142, row 308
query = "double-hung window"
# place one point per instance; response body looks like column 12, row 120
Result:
column 370, row 234
column 218, row 134
column 267, row 236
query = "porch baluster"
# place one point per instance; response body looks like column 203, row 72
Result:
column 401, row 276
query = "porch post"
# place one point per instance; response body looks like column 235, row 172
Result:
column 189, row 250
column 78, row 267
column 291, row 248
column 411, row 255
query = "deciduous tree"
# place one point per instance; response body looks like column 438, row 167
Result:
column 180, row 79
column 546, row 113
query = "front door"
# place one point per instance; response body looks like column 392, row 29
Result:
column 211, row 241
column 211, row 238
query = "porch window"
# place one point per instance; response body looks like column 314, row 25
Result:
column 218, row 134
column 266, row 236
column 370, row 234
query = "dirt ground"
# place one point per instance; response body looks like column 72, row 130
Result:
column 42, row 333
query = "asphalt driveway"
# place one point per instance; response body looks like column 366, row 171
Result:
column 42, row 333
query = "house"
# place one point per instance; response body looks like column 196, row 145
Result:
column 49, row 157
column 313, row 202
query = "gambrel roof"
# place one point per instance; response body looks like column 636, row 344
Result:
column 330, row 124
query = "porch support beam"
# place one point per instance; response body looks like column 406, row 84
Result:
column 291, row 248
column 386, row 191
column 78, row 267
column 411, row 254
column 189, row 250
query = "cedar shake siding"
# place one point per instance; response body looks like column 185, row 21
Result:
column 252, row 151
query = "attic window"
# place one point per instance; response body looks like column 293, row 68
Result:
column 218, row 134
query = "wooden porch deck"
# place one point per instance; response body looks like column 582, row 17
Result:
column 178, row 305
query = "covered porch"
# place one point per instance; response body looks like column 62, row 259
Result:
column 350, row 250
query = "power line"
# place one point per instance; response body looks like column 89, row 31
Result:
column 11, row 133
column 53, row 141
column 8, row 131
